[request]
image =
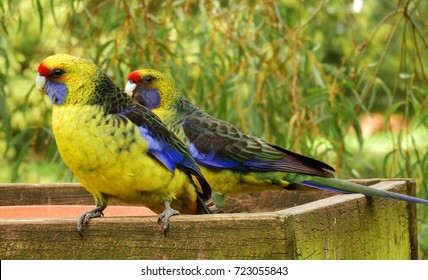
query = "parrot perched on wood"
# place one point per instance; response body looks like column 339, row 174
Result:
column 117, row 148
column 232, row 161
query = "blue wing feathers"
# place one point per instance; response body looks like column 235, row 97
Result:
column 235, row 162
column 210, row 159
column 163, row 145
column 161, row 150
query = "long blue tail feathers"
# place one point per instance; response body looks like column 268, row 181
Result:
column 337, row 185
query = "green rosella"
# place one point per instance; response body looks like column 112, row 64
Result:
column 232, row 161
column 118, row 149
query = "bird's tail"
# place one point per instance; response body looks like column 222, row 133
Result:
column 337, row 185
column 202, row 208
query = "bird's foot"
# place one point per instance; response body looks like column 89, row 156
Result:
column 213, row 208
column 164, row 216
column 84, row 219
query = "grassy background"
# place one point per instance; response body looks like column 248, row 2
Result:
column 303, row 75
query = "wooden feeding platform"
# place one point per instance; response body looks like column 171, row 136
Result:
column 283, row 224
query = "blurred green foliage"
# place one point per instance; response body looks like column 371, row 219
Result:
column 301, row 74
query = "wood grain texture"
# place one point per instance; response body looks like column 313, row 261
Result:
column 44, row 194
column 337, row 227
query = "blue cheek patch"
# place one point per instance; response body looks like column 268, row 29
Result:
column 56, row 92
column 150, row 98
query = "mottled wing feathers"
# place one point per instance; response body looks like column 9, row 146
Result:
column 213, row 143
column 164, row 145
column 217, row 144
column 309, row 160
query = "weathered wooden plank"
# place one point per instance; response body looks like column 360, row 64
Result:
column 338, row 227
column 75, row 194
column 44, row 194
column 12, row 194
column 354, row 227
column 190, row 237
column 272, row 200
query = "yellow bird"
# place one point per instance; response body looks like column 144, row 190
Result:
column 117, row 148
column 232, row 161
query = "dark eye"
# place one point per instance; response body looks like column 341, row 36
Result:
column 148, row 79
column 56, row 73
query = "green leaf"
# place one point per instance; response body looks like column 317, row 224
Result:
column 40, row 12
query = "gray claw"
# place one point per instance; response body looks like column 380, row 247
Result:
column 85, row 217
column 164, row 216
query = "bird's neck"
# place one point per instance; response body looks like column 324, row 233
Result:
column 110, row 97
column 175, row 114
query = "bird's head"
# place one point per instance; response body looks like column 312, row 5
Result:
column 67, row 79
column 151, row 88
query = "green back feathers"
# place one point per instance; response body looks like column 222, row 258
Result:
column 107, row 94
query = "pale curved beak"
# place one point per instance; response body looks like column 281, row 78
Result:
column 40, row 82
column 130, row 87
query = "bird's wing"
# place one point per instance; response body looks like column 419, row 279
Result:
column 217, row 144
column 164, row 145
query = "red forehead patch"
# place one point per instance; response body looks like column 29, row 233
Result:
column 134, row 76
column 43, row 70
